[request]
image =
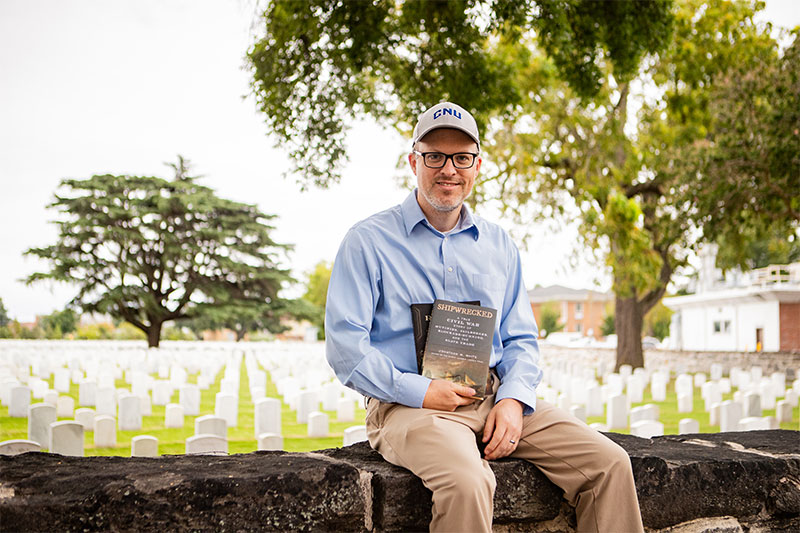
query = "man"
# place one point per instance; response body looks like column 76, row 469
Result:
column 431, row 246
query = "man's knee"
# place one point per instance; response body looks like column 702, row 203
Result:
column 467, row 483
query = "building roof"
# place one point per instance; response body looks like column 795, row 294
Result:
column 562, row 293
column 779, row 293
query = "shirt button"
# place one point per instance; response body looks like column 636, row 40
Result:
column 449, row 269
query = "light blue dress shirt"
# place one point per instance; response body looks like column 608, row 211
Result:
column 395, row 258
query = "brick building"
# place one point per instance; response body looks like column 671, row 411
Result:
column 581, row 310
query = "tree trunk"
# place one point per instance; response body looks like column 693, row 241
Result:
column 154, row 334
column 240, row 333
column 628, row 319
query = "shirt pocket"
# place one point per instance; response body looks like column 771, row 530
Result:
column 489, row 283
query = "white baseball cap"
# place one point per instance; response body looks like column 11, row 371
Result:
column 446, row 115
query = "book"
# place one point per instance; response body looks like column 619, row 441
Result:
column 420, row 319
column 459, row 344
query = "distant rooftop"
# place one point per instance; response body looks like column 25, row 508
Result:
column 562, row 293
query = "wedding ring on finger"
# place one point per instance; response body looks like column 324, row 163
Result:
column 512, row 441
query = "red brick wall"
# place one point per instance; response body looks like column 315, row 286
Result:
column 790, row 326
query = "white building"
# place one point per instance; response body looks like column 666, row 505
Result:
column 743, row 312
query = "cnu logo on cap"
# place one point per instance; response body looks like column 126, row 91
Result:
column 446, row 111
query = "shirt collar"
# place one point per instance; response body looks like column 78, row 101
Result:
column 413, row 215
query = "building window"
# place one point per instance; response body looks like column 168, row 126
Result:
column 722, row 326
column 579, row 327
column 579, row 311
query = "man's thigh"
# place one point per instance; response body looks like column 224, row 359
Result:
column 426, row 441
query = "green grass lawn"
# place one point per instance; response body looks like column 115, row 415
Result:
column 241, row 439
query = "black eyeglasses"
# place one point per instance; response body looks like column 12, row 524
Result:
column 460, row 160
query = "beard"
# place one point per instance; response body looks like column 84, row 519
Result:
column 446, row 206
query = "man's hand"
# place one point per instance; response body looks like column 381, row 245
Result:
column 446, row 395
column 503, row 425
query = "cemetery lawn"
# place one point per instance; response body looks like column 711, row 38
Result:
column 172, row 441
column 242, row 439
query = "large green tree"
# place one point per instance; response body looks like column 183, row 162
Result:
column 148, row 250
column 4, row 319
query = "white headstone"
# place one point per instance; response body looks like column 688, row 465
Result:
column 51, row 397
column 190, row 399
column 635, row 389
column 579, row 412
column 18, row 446
column 317, row 424
column 594, row 401
column 85, row 417
column 87, row 393
column 730, row 412
column 270, row 442
column 599, row 426
column 144, row 446
column 658, row 387
column 791, row 396
column 40, row 416
column 307, row 403
column 146, row 405
column 699, row 379
column 753, row 423
column 162, row 392
column 685, row 403
column 713, row 413
column 647, row 429
column 211, row 425
column 227, row 407
column 106, row 401
column 267, row 416
column 20, row 400
column 66, row 438
column 768, row 394
column 173, row 416
column 345, row 410
column 105, row 431
column 330, row 394
column 752, row 405
column 688, row 425
column 207, row 444
column 564, row 402
column 65, row 407
column 130, row 413
column 61, row 380
column 617, row 412
column 354, row 434
column 711, row 394
column 783, row 412
column 716, row 372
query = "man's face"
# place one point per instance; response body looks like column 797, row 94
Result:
column 444, row 189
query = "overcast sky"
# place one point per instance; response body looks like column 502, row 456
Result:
column 121, row 87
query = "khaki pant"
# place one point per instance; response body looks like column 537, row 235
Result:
column 440, row 448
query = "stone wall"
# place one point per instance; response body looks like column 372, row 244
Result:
column 724, row 482
column 788, row 362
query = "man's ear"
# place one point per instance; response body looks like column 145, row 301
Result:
column 478, row 165
column 412, row 161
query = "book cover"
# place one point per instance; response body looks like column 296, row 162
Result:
column 459, row 344
column 420, row 319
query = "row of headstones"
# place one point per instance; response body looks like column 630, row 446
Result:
column 592, row 397
column 67, row 437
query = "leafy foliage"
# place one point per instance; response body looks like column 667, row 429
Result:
column 4, row 319
column 317, row 294
column 322, row 62
column 549, row 318
column 657, row 321
column 747, row 195
column 147, row 250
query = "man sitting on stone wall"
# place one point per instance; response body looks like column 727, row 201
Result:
column 432, row 246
